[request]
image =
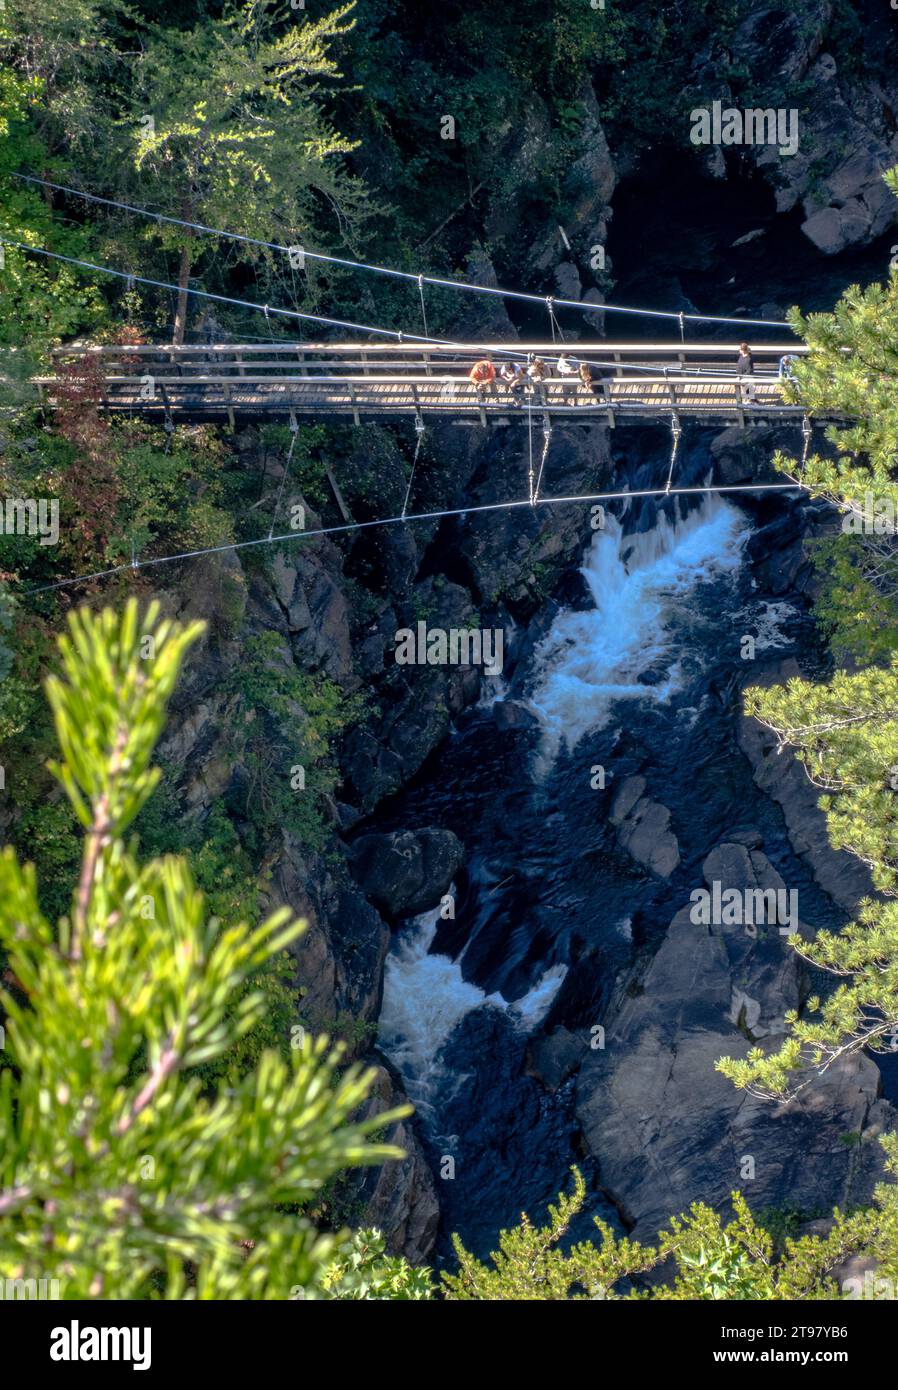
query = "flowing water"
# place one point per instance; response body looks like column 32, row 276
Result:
column 548, row 908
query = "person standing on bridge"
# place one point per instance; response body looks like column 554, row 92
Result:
column 538, row 373
column 482, row 377
column 587, row 380
column 745, row 366
column 567, row 370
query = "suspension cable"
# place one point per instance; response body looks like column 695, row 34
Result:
column 676, row 431
column 463, row 285
column 294, row 430
column 153, row 563
column 419, row 440
column 268, row 310
column 547, row 436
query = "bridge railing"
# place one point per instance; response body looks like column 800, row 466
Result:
column 382, row 360
column 628, row 395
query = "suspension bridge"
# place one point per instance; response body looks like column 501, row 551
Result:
column 417, row 375
column 628, row 383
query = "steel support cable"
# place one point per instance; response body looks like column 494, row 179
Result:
column 423, row 306
column 268, row 310
column 153, row 563
column 419, row 440
column 294, row 429
column 680, row 317
column 676, row 431
column 547, row 436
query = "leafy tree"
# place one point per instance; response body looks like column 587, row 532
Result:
column 117, row 1175
column 237, row 137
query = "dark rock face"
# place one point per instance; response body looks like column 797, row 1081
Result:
column 777, row 553
column 400, row 1198
column 839, row 873
column 515, row 556
column 667, row 1129
column 847, row 204
column 339, row 958
column 406, row 873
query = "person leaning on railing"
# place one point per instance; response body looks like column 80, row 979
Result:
column 512, row 374
column 745, row 366
column 568, row 372
column 539, row 373
column 482, row 377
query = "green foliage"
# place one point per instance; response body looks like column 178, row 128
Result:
column 42, row 56
column 362, row 1270
column 6, row 657
column 225, row 875
column 709, row 1258
column 845, row 732
column 117, row 1176
column 238, row 138
column 530, row 1265
column 167, row 500
column 852, row 369
column 859, row 619
column 289, row 722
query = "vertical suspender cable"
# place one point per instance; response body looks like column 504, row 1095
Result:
column 294, row 429
column 419, row 431
column 676, row 431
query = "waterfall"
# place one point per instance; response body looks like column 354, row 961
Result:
column 643, row 625
column 425, row 997
column 640, row 585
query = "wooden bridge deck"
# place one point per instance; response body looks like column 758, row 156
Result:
column 633, row 383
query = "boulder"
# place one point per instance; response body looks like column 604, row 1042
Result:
column 554, row 1058
column 406, row 872
column 511, row 714
column 644, row 828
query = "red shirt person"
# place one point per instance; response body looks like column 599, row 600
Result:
column 482, row 377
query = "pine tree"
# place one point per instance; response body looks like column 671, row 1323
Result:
column 845, row 732
column 119, row 1176
column 852, row 369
